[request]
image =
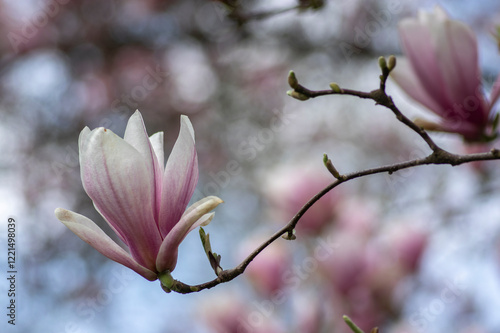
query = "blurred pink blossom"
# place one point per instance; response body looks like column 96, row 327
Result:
column 230, row 313
column 289, row 189
column 363, row 272
column 441, row 71
column 267, row 271
column 142, row 200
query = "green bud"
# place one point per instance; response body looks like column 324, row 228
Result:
column 292, row 80
column 213, row 258
column 335, row 87
column 391, row 62
column 382, row 63
column 331, row 168
column 297, row 95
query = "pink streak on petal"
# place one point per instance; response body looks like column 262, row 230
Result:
column 137, row 137
column 118, row 181
column 194, row 216
column 180, row 178
column 416, row 42
column 82, row 144
column 406, row 78
column 458, row 57
column 90, row 233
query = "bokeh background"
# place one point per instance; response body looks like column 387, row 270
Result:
column 418, row 251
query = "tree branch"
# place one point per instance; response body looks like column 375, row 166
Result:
column 437, row 156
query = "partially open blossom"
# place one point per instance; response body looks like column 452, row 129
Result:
column 143, row 201
column 441, row 71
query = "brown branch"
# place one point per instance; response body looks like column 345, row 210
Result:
column 237, row 14
column 437, row 156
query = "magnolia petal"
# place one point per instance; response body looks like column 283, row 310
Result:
column 194, row 216
column 118, row 181
column 82, row 144
column 405, row 77
column 416, row 41
column 157, row 144
column 137, row 136
column 90, row 233
column 180, row 178
column 82, row 141
column 457, row 53
column 468, row 130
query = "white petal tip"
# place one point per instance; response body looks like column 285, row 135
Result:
column 215, row 200
column 62, row 214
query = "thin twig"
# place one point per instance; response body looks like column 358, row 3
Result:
column 439, row 157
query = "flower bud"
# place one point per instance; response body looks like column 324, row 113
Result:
column 391, row 62
column 329, row 165
column 297, row 95
column 335, row 87
column 382, row 63
column 292, row 80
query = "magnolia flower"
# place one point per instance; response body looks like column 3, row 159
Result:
column 142, row 200
column 441, row 72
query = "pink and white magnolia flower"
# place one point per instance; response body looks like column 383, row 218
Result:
column 441, row 71
column 142, row 200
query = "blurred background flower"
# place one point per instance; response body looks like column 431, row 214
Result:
column 387, row 248
column 440, row 71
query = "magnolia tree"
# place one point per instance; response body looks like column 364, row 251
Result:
column 145, row 201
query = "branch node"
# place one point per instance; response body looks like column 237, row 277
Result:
column 290, row 235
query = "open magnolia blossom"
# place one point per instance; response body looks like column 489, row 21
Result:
column 142, row 200
column 441, row 71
